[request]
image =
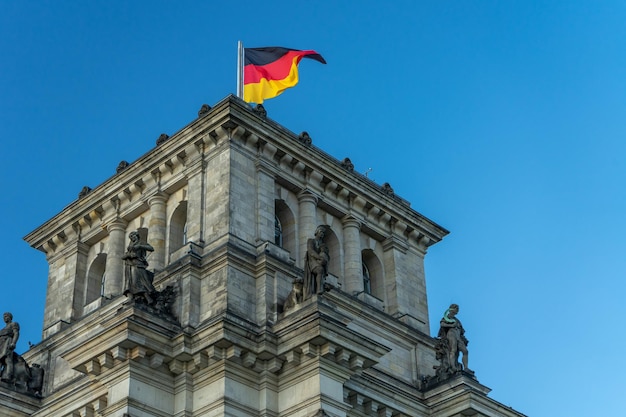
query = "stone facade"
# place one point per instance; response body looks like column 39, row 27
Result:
column 228, row 204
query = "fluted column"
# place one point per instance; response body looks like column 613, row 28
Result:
column 306, row 222
column 114, row 278
column 353, row 269
column 157, row 227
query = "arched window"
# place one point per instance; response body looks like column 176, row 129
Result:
column 373, row 279
column 278, row 232
column 285, row 227
column 178, row 228
column 95, row 278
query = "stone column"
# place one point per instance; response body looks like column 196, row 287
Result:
column 353, row 269
column 307, row 218
column 114, row 278
column 157, row 230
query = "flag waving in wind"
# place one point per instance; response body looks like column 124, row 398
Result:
column 269, row 71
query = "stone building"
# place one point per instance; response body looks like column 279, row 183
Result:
column 228, row 205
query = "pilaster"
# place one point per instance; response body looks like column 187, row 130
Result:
column 393, row 249
column 195, row 204
column 265, row 202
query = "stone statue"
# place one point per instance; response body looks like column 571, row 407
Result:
column 138, row 280
column 315, row 264
column 8, row 341
column 451, row 343
column 15, row 373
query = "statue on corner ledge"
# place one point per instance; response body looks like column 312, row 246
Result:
column 451, row 342
column 138, row 281
column 8, row 341
column 14, row 371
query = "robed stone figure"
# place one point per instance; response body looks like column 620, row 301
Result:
column 454, row 342
column 315, row 264
column 8, row 340
column 138, row 280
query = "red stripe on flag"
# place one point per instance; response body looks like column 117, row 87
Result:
column 276, row 70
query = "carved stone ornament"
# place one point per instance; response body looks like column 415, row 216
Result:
column 15, row 374
column 387, row 189
column 305, row 138
column 121, row 166
column 260, row 111
column 347, row 164
column 204, row 110
column 295, row 296
column 84, row 191
column 162, row 303
column 162, row 138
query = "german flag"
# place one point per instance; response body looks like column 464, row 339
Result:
column 269, row 71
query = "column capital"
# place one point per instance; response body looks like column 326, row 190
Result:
column 158, row 197
column 116, row 224
column 350, row 221
column 306, row 196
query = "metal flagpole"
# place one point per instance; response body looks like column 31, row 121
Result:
column 240, row 69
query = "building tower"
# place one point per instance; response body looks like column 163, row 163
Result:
column 226, row 210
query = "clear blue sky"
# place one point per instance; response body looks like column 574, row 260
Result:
column 503, row 121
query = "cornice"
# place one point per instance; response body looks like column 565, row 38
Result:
column 292, row 161
column 311, row 164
